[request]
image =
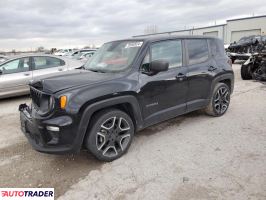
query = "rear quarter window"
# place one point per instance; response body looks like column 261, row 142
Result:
column 217, row 48
column 43, row 62
column 197, row 50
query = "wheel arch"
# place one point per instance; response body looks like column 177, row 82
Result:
column 227, row 82
column 228, row 79
column 127, row 103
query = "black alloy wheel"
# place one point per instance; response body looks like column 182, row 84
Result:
column 110, row 135
column 221, row 100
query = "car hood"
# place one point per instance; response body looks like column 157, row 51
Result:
column 71, row 79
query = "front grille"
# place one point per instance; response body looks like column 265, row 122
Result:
column 36, row 96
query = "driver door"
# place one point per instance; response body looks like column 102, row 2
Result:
column 163, row 95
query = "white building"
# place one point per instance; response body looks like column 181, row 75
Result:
column 232, row 31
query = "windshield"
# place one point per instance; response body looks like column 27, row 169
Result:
column 114, row 56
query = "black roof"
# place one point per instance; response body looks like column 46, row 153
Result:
column 158, row 38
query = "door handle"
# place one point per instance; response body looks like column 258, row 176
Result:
column 26, row 74
column 212, row 68
column 60, row 69
column 181, row 77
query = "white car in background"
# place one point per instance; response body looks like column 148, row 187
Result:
column 77, row 54
column 3, row 58
column 63, row 52
column 86, row 56
column 18, row 71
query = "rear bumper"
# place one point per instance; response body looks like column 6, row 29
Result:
column 55, row 136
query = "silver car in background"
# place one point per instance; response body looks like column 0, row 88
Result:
column 18, row 71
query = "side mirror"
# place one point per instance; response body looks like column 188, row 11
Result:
column 157, row 66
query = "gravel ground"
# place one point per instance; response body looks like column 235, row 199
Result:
column 190, row 157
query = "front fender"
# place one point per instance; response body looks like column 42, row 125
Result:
column 92, row 108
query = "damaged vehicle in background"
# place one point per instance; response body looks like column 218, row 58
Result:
column 255, row 67
column 245, row 47
column 18, row 71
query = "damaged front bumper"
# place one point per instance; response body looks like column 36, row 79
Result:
column 239, row 56
column 53, row 135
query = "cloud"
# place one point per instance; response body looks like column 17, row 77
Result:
column 68, row 23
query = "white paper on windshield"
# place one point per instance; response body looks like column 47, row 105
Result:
column 133, row 44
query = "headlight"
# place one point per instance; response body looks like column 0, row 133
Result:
column 51, row 103
column 47, row 104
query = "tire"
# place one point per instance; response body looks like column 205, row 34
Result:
column 110, row 134
column 245, row 72
column 220, row 100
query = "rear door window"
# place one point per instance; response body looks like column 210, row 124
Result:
column 43, row 62
column 197, row 51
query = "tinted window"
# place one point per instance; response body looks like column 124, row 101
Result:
column 15, row 66
column 170, row 51
column 43, row 62
column 197, row 50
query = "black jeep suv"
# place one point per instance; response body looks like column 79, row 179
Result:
column 126, row 86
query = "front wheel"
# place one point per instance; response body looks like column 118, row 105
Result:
column 220, row 100
column 110, row 134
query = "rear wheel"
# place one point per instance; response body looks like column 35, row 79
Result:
column 220, row 100
column 110, row 135
column 245, row 72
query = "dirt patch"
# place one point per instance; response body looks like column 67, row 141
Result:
column 24, row 167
